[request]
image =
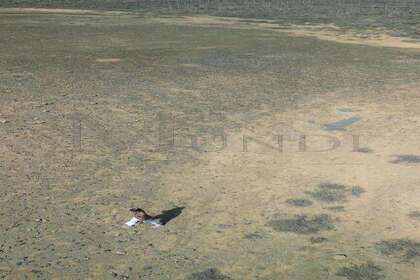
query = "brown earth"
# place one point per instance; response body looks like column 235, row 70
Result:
column 101, row 113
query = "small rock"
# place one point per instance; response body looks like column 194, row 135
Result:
column 339, row 257
column 38, row 121
column 120, row 274
column 107, row 60
column 318, row 239
column 3, row 120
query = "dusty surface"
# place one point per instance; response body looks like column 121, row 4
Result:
column 378, row 36
column 101, row 113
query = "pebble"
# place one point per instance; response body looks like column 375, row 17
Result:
column 340, row 256
column 38, row 121
column 117, row 273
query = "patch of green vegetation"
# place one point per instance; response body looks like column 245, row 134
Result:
column 365, row 150
column 253, row 236
column 357, row 191
column 361, row 272
column 331, row 192
column 299, row 202
column 404, row 249
column 302, row 224
column 407, row 159
column 336, row 208
column 415, row 215
column 209, row 274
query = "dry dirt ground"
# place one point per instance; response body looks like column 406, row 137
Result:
column 294, row 156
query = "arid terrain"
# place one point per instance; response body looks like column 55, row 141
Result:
column 289, row 151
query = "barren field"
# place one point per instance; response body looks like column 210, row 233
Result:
column 286, row 152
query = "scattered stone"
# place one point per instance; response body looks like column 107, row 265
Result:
column 209, row 274
column 3, row 120
column 318, row 239
column 299, row 202
column 302, row 224
column 404, row 249
column 361, row 272
column 37, row 121
column 119, row 274
column 339, row 257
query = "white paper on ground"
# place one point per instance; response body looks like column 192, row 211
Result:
column 132, row 222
